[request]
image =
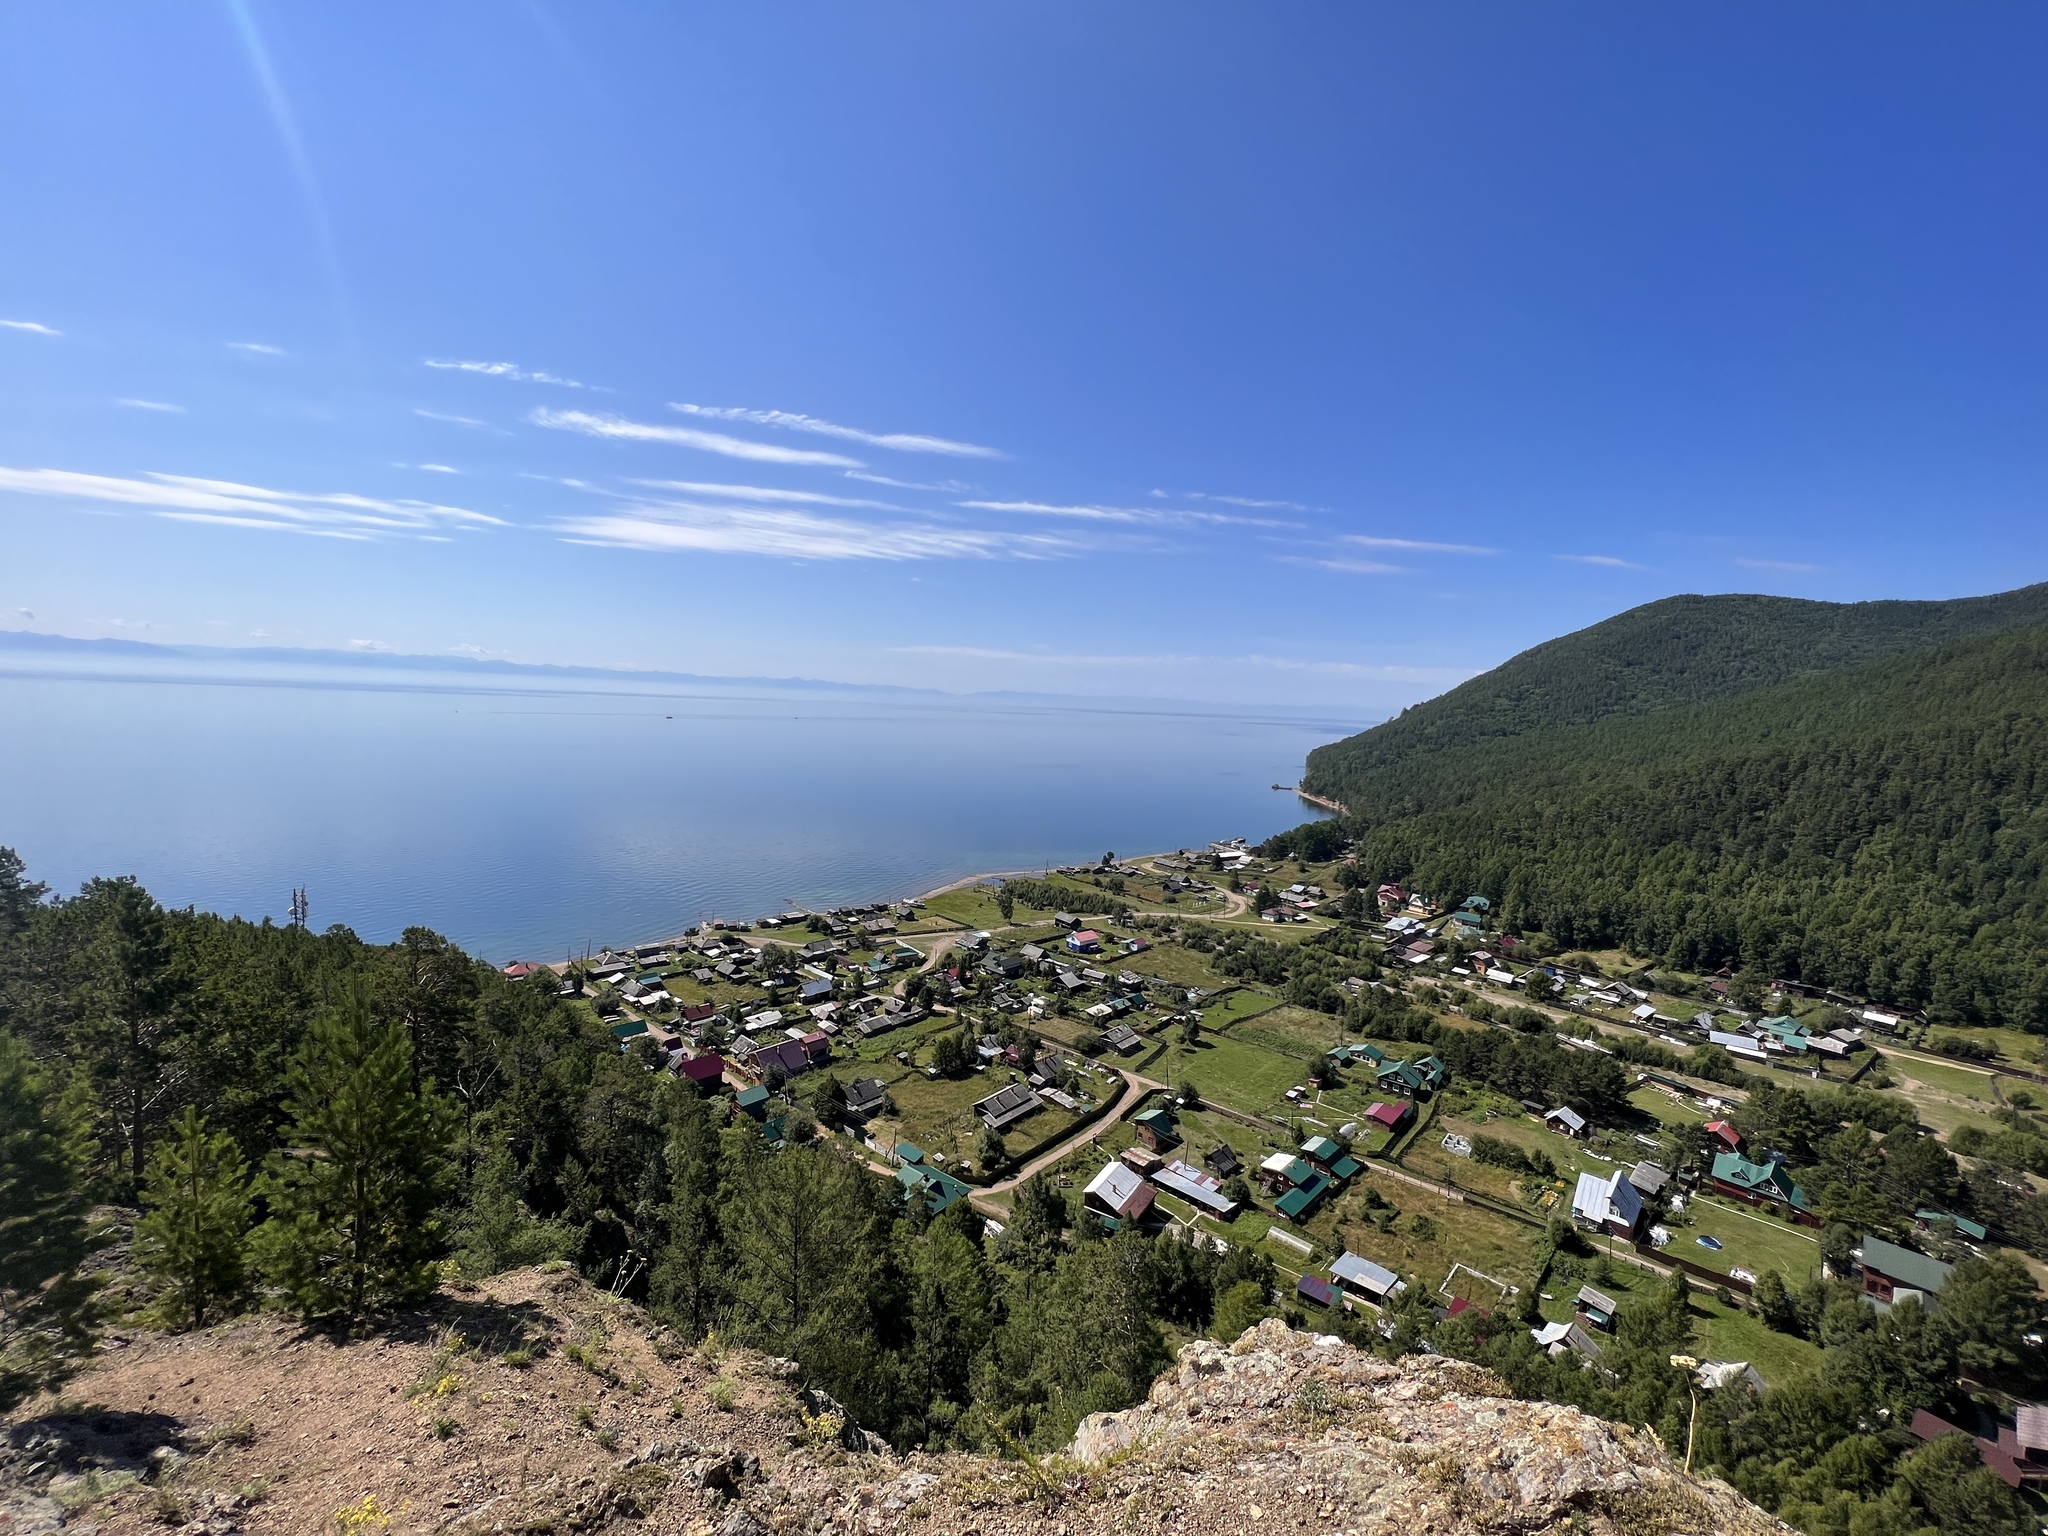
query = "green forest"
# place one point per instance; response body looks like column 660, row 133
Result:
column 1876, row 828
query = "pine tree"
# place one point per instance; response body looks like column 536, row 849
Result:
column 353, row 1196
column 46, row 1305
column 194, row 1237
column 691, row 1275
column 497, row 1232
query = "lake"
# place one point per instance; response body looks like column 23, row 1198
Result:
column 531, row 821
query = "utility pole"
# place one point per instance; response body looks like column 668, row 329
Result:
column 300, row 909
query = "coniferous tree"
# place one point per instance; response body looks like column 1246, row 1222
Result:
column 353, row 1195
column 497, row 1231
column 133, row 1017
column 691, row 1277
column 46, row 1305
column 194, row 1237
column 805, row 1232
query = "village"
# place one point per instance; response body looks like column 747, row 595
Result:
column 1093, row 1029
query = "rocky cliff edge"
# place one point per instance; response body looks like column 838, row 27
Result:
column 536, row 1404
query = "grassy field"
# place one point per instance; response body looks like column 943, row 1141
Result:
column 1749, row 1239
column 1957, row 1080
column 1235, row 1007
column 1729, row 1333
column 1296, row 1031
column 1665, row 1110
column 1245, row 1077
column 973, row 905
column 1426, row 1233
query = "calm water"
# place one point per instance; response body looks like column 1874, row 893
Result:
column 533, row 823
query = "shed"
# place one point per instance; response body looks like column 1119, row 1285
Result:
column 1596, row 1307
column 1316, row 1289
column 1566, row 1120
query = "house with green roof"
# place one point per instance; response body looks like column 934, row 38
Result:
column 1412, row 1078
column 1892, row 1273
column 1156, row 1129
column 1931, row 1221
column 1764, row 1184
column 752, row 1101
column 1321, row 1150
column 1282, row 1171
column 1298, row 1203
column 937, row 1188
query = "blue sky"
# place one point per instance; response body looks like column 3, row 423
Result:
column 1290, row 354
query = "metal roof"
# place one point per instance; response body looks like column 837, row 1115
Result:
column 1364, row 1273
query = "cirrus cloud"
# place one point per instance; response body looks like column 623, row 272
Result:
column 228, row 503
column 510, row 371
column 794, row 421
column 618, row 428
column 790, row 532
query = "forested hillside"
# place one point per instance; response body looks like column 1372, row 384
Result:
column 1670, row 653
column 1877, row 828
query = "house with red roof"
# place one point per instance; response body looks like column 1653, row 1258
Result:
column 1726, row 1134
column 1392, row 1117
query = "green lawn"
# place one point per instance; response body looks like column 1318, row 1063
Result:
column 1297, row 1031
column 938, row 1113
column 1235, row 1007
column 973, row 905
column 1245, row 1077
column 1664, row 1109
column 1729, row 1333
column 1749, row 1239
column 1429, row 1233
column 1957, row 1080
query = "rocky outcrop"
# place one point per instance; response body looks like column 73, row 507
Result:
column 536, row 1403
column 1303, row 1430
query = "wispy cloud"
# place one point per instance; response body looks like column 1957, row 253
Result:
column 951, row 487
column 153, row 405
column 1342, row 563
column 510, row 371
column 792, row 533
column 185, row 498
column 439, row 469
column 763, row 493
column 595, row 424
column 1254, row 502
column 35, row 327
column 1614, row 561
column 457, row 421
column 1791, row 566
column 259, row 348
column 1372, row 541
column 1143, row 516
column 900, row 442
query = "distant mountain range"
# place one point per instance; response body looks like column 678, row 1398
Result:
column 1851, row 794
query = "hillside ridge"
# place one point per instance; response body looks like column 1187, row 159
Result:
column 535, row 1402
column 1673, row 652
